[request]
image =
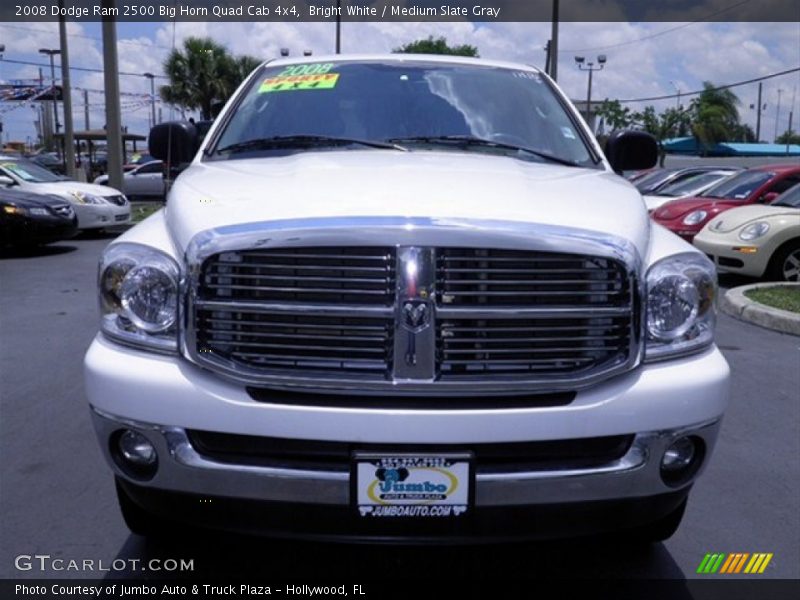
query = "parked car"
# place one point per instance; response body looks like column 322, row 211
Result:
column 97, row 206
column 28, row 219
column 757, row 240
column 651, row 181
column 410, row 295
column 50, row 161
column 686, row 188
column 756, row 185
column 144, row 180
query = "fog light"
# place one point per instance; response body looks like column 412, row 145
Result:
column 136, row 449
column 679, row 455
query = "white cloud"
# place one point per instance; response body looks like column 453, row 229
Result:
column 636, row 67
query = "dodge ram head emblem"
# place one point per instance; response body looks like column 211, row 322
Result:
column 415, row 315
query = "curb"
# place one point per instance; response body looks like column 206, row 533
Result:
column 736, row 304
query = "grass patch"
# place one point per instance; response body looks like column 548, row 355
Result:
column 140, row 211
column 777, row 297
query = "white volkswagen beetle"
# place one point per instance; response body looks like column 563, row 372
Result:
column 757, row 240
column 97, row 206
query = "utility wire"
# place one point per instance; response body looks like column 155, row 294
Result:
column 658, row 33
column 83, row 35
column 72, row 68
column 716, row 88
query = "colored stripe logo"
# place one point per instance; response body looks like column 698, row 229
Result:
column 736, row 562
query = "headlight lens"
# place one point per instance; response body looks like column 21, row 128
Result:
column 680, row 305
column 693, row 218
column 84, row 198
column 139, row 290
column 754, row 231
column 11, row 209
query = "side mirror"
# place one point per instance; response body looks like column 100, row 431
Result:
column 175, row 142
column 631, row 151
column 768, row 197
column 6, row 181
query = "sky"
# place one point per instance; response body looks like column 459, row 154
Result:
column 643, row 59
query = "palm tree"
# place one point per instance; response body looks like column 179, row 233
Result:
column 238, row 69
column 199, row 76
column 715, row 116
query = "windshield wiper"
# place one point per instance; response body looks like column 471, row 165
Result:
column 303, row 141
column 468, row 140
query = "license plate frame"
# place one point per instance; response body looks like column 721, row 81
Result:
column 424, row 485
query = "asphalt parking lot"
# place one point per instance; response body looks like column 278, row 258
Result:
column 57, row 495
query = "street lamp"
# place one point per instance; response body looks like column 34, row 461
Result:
column 151, row 77
column 51, row 53
column 589, row 66
column 678, row 90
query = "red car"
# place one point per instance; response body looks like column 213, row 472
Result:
column 686, row 217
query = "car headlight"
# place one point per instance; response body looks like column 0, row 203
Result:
column 139, row 288
column 695, row 217
column 681, row 290
column 84, row 198
column 754, row 231
column 13, row 209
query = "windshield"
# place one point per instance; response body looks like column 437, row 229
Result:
column 652, row 180
column 28, row 171
column 790, row 197
column 739, row 187
column 691, row 186
column 412, row 103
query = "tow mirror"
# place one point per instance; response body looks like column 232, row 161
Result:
column 175, row 142
column 631, row 151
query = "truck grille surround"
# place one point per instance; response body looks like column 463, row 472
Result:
column 413, row 319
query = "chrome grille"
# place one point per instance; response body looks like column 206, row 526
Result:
column 554, row 340
column 118, row 200
column 337, row 317
column 328, row 275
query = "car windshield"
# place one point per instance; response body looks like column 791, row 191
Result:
column 790, row 197
column 652, row 180
column 28, row 171
column 739, row 187
column 412, row 105
column 691, row 186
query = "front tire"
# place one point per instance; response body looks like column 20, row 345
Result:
column 660, row 530
column 785, row 263
column 138, row 520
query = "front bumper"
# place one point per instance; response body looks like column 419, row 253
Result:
column 164, row 396
column 728, row 260
column 95, row 216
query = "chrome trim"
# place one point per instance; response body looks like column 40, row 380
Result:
column 182, row 469
column 409, row 232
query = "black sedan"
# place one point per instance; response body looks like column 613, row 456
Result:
column 30, row 219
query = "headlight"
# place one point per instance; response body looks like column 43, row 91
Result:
column 680, row 306
column 754, row 231
column 693, row 218
column 11, row 209
column 84, row 198
column 139, row 289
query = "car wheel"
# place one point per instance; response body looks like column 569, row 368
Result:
column 660, row 530
column 785, row 264
column 138, row 520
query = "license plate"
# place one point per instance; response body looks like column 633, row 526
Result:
column 405, row 485
column 122, row 217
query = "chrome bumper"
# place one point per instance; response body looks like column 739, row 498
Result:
column 182, row 469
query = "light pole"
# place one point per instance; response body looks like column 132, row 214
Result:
column 338, row 26
column 678, row 90
column 589, row 66
column 51, row 53
column 777, row 113
column 151, row 77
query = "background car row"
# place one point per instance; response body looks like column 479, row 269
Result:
column 748, row 222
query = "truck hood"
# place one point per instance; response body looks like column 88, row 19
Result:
column 738, row 217
column 385, row 183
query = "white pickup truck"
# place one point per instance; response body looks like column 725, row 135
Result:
column 404, row 297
